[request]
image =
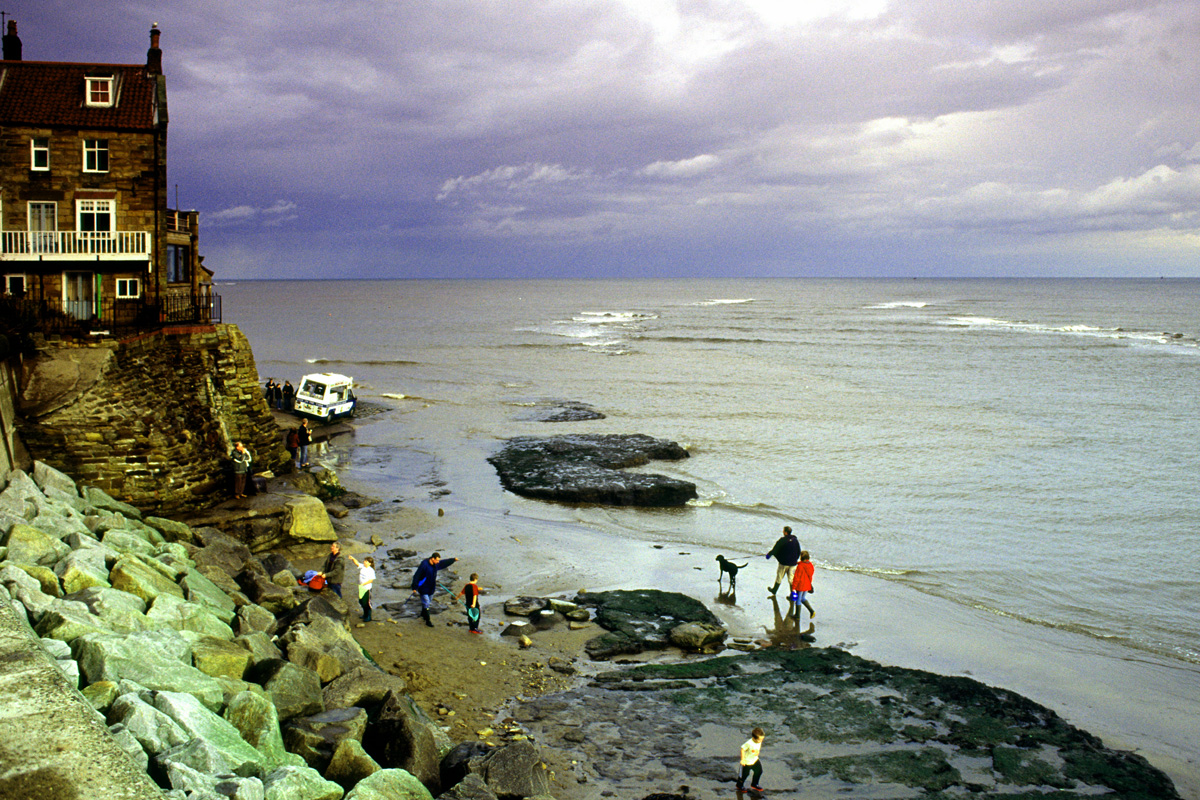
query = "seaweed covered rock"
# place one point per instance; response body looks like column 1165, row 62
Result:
column 839, row 725
column 588, row 469
column 637, row 620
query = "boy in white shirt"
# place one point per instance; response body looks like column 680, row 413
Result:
column 749, row 760
column 366, row 578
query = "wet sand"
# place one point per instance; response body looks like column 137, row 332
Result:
column 1132, row 701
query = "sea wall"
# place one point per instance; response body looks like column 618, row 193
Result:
column 149, row 420
column 12, row 452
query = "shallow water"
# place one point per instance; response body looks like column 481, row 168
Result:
column 1023, row 447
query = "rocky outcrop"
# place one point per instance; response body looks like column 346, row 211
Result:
column 588, row 469
column 838, row 726
column 650, row 619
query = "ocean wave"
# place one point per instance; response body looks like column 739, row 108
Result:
column 896, row 304
column 1091, row 331
column 716, row 340
column 724, row 301
column 365, row 363
column 610, row 317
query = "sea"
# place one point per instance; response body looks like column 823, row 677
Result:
column 1027, row 449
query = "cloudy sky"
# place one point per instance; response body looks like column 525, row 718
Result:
column 595, row 138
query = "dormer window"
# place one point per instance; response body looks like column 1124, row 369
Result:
column 100, row 92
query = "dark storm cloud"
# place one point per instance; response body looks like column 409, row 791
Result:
column 651, row 137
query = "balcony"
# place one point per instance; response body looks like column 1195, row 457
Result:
column 75, row 245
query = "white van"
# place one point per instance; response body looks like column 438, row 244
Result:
column 325, row 396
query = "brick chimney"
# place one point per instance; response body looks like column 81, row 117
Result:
column 12, row 42
column 154, row 54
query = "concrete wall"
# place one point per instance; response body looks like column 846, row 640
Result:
column 150, row 420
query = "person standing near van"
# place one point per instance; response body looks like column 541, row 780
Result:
column 289, row 396
column 242, row 458
column 303, row 439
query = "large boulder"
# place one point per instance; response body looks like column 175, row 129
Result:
column 294, row 690
column 305, row 519
column 200, row 590
column 256, row 720
column 299, row 783
column 350, row 764
column 82, row 569
column 202, row 723
column 404, row 736
column 584, row 468
column 155, row 731
column 390, row 784
column 315, row 738
column 325, row 647
column 365, row 687
column 173, row 612
column 159, row 660
column 220, row 657
column 138, row 576
column 640, row 619
column 121, row 611
column 171, row 530
column 48, row 477
column 29, row 545
column 513, row 771
column 697, row 637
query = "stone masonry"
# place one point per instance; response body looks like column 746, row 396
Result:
column 149, row 420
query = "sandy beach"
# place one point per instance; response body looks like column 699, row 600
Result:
column 1145, row 705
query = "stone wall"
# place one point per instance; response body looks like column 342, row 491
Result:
column 12, row 452
column 149, row 420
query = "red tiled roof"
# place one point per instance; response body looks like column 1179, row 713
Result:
column 52, row 94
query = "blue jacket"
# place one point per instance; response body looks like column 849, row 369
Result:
column 425, row 578
column 786, row 550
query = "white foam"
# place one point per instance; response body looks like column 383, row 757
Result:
column 724, row 301
column 897, row 304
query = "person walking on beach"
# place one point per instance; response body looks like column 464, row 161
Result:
column 471, row 594
column 366, row 579
column 424, row 582
column 303, row 439
column 750, row 761
column 242, row 458
column 787, row 552
column 334, row 570
column 802, row 585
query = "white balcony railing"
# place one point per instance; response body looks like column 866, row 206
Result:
column 67, row 245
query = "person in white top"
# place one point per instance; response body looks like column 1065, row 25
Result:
column 366, row 578
column 750, row 762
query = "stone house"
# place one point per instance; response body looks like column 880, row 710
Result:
column 87, row 238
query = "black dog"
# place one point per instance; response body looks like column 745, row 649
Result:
column 729, row 568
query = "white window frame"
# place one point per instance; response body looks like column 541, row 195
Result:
column 39, row 145
column 42, row 226
column 8, row 282
column 94, row 208
column 93, row 150
column 99, row 92
column 129, row 288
